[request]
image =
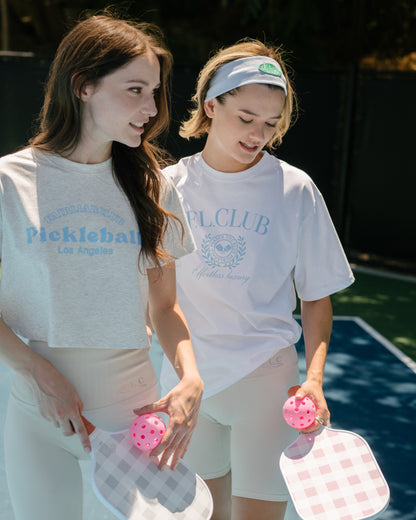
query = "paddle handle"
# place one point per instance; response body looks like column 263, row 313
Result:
column 89, row 426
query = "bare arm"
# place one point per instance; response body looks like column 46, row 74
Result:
column 317, row 326
column 182, row 402
column 56, row 398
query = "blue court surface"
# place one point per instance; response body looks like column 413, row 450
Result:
column 371, row 390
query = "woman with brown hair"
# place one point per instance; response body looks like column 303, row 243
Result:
column 89, row 230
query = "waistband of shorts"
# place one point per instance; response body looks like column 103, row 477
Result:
column 101, row 377
column 284, row 356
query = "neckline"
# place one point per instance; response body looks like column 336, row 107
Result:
column 232, row 176
column 68, row 166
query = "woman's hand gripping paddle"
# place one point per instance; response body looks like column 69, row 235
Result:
column 331, row 474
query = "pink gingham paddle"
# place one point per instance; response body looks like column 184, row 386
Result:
column 333, row 475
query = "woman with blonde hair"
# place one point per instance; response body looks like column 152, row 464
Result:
column 263, row 233
column 90, row 230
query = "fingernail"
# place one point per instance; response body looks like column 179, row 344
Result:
column 87, row 449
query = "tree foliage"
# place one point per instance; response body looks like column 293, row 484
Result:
column 318, row 33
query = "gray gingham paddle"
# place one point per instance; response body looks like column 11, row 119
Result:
column 130, row 484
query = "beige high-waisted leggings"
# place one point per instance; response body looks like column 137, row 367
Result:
column 242, row 429
column 42, row 466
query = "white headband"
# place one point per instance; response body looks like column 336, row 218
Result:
column 244, row 71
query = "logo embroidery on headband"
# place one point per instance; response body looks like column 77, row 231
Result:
column 269, row 68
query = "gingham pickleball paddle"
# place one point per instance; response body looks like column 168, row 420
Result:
column 129, row 483
column 333, row 475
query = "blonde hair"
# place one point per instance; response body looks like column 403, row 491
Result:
column 199, row 123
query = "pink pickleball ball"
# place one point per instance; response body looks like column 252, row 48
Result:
column 147, row 431
column 299, row 413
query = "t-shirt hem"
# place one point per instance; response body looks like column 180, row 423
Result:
column 57, row 345
column 270, row 353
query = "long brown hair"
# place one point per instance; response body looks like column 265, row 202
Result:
column 92, row 49
column 199, row 123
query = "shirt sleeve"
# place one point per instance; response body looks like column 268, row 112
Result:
column 174, row 243
column 178, row 240
column 321, row 267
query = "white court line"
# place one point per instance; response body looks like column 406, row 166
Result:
column 381, row 339
column 383, row 274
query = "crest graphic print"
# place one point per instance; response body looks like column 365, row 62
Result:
column 223, row 250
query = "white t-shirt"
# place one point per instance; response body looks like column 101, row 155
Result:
column 69, row 246
column 260, row 234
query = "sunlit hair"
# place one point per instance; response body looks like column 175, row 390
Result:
column 93, row 49
column 199, row 123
